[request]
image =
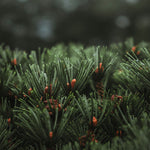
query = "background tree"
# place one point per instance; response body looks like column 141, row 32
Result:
column 28, row 24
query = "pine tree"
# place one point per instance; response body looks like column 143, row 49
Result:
column 75, row 97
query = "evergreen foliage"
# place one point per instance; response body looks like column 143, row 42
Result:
column 75, row 97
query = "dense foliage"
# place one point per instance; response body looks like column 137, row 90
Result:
column 75, row 97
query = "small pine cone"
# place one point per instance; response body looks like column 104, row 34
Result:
column 50, row 135
column 138, row 52
column 73, row 83
column 9, row 120
column 133, row 48
column 59, row 106
column 68, row 85
column 118, row 133
column 94, row 121
column 112, row 97
column 14, row 62
column 100, row 66
column 46, row 90
column 29, row 91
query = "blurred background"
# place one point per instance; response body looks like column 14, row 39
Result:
column 29, row 24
